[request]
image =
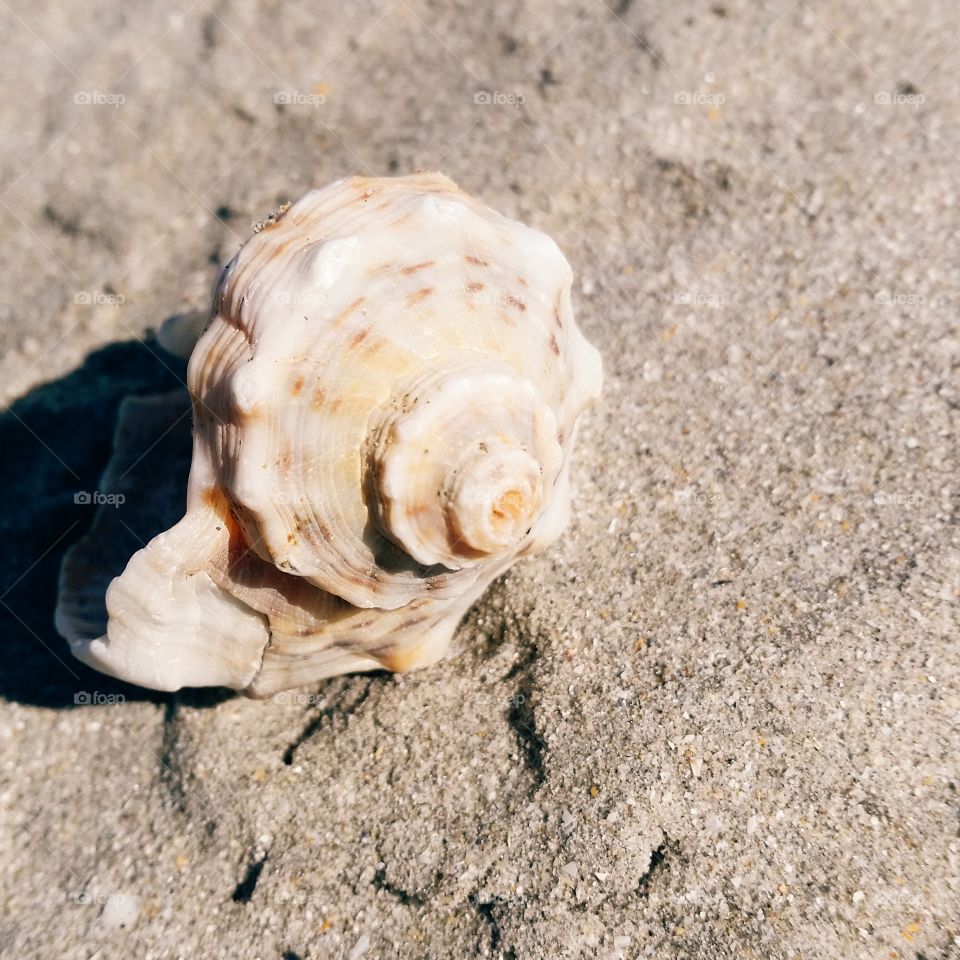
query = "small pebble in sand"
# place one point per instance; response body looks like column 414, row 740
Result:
column 361, row 947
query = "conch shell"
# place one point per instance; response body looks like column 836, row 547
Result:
column 384, row 406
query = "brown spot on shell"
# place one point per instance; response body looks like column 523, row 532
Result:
column 360, row 336
column 214, row 498
column 374, row 345
column 414, row 267
column 313, row 532
column 357, row 579
column 283, row 246
column 319, row 396
column 516, row 302
column 237, row 546
column 476, row 261
column 419, row 295
column 297, row 386
column 475, row 287
column 285, row 460
column 346, row 313
column 554, row 346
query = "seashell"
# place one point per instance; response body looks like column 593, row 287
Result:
column 385, row 403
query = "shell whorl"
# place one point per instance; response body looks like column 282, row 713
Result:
column 461, row 461
column 358, row 300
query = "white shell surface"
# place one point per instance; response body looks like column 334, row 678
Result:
column 385, row 403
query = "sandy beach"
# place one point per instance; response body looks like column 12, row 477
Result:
column 720, row 718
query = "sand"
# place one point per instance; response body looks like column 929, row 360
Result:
column 720, row 718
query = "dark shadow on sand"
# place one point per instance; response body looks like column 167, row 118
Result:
column 54, row 445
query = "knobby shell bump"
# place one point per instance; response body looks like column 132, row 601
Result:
column 385, row 403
